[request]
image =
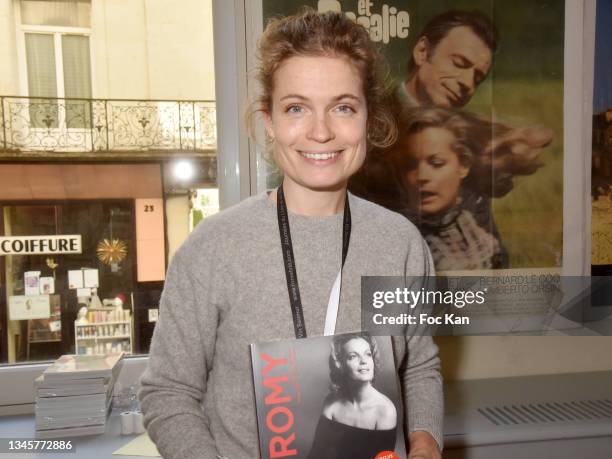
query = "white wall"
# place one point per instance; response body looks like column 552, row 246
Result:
column 180, row 39
column 9, row 77
column 119, row 49
column 152, row 49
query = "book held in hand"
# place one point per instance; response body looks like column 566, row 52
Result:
column 329, row 397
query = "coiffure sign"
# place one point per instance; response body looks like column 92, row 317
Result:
column 40, row 245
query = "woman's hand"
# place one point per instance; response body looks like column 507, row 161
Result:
column 423, row 446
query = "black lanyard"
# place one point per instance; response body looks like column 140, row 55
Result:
column 287, row 248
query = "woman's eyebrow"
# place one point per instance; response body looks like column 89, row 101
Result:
column 347, row 96
column 293, row 96
column 336, row 98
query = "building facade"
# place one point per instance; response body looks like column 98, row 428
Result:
column 107, row 135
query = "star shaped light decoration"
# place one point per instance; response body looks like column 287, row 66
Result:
column 111, row 251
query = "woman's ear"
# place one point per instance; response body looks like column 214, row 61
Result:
column 267, row 119
column 463, row 171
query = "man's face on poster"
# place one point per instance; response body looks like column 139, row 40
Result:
column 448, row 75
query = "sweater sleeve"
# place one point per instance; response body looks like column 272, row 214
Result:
column 420, row 375
column 174, row 382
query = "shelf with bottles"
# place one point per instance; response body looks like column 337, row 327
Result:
column 102, row 324
column 96, row 346
column 106, row 316
column 82, row 338
column 104, row 336
column 103, row 330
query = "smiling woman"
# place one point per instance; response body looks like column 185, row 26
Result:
column 321, row 124
column 358, row 420
column 319, row 134
column 323, row 105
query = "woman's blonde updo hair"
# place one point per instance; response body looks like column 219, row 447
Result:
column 326, row 34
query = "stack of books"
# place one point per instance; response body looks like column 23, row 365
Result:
column 74, row 395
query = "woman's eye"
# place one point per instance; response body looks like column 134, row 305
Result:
column 437, row 162
column 345, row 109
column 294, row 109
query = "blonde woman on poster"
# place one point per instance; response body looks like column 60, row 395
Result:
column 433, row 164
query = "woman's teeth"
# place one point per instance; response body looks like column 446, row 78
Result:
column 320, row 156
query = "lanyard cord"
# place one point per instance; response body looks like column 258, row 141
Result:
column 289, row 261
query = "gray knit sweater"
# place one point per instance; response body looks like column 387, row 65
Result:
column 226, row 288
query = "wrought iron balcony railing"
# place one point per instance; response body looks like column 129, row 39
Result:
column 35, row 124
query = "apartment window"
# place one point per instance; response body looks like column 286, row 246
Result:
column 58, row 63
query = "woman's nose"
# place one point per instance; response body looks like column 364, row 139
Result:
column 320, row 129
column 423, row 173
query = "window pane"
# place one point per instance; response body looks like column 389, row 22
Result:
column 68, row 13
column 157, row 107
column 42, row 79
column 45, row 328
column 77, row 79
column 117, row 212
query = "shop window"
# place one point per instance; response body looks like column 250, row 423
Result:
column 44, row 293
column 115, row 216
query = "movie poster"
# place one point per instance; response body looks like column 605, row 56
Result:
column 601, row 188
column 478, row 91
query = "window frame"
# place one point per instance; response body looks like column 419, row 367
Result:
column 57, row 32
column 234, row 181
